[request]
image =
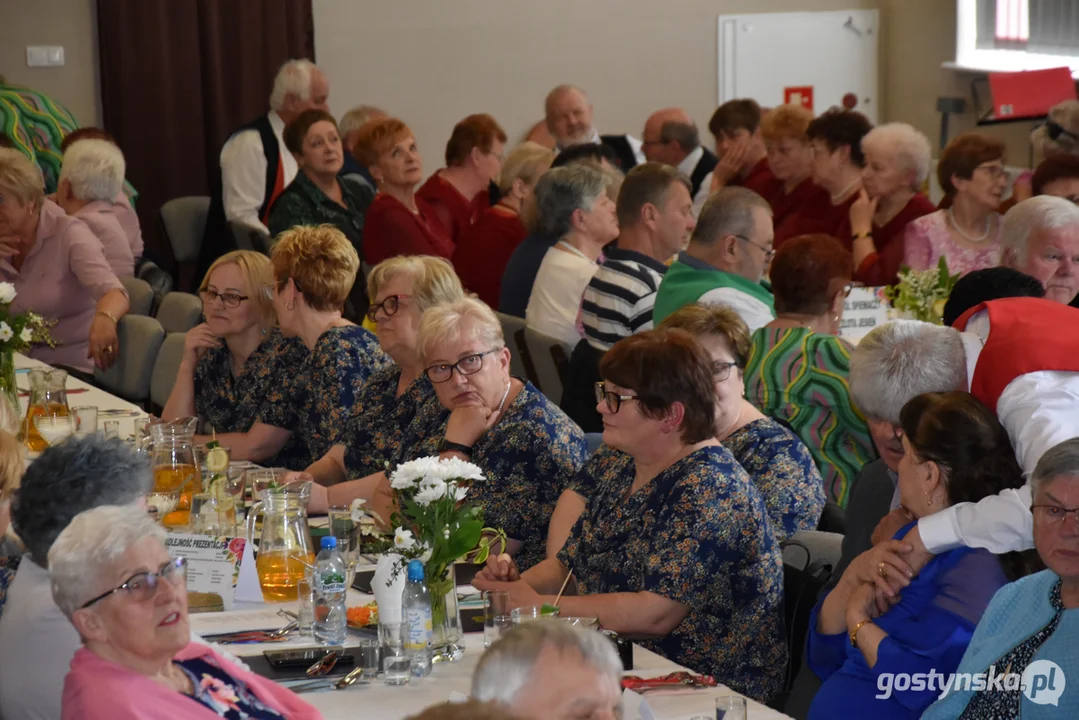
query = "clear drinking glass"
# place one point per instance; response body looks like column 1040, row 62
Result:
column 112, row 429
column 347, row 533
column 85, row 419
column 530, row 613
column 396, row 663
column 260, row 479
column 204, row 519
column 367, row 649
column 305, row 613
column 496, row 615
column 730, row 707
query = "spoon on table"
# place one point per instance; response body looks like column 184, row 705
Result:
column 323, row 666
column 321, row 685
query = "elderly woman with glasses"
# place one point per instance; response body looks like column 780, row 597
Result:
column 314, row 269
column 1032, row 621
column 114, row 580
column 798, row 369
column 402, row 289
column 233, row 360
column 779, row 464
column 527, row 448
column 675, row 543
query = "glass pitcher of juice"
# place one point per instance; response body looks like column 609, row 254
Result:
column 48, row 396
column 284, row 548
column 172, row 454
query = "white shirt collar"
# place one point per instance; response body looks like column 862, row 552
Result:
column 973, row 339
column 276, row 123
column 689, row 163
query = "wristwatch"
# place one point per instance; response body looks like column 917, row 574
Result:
column 445, row 445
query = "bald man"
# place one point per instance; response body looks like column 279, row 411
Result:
column 569, row 119
column 670, row 137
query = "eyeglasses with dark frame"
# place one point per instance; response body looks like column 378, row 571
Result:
column 229, row 300
column 468, row 365
column 1053, row 514
column 142, row 586
column 722, row 370
column 769, row 253
column 389, row 305
column 613, row 399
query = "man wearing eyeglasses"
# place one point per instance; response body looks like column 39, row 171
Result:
column 671, row 137
column 727, row 258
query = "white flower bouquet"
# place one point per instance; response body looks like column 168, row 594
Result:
column 17, row 334
column 922, row 293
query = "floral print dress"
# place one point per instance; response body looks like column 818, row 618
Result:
column 698, row 534
column 317, row 398
column 235, row 403
column 783, row 470
column 528, row 458
column 222, row 694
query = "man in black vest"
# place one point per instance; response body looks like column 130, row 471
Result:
column 569, row 120
column 254, row 164
column 670, row 137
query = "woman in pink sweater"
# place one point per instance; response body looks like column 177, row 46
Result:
column 113, row 578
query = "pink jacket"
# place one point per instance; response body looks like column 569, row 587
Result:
column 99, row 688
column 103, row 219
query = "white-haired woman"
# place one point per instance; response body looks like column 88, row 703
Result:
column 527, row 447
column 233, row 360
column 59, row 270
column 91, row 178
column 115, row 581
column 402, row 289
column 896, row 165
column 572, row 205
column 485, row 247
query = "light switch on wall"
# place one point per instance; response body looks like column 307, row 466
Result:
column 45, row 56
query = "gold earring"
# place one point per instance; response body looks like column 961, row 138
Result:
column 928, row 500
column 290, row 306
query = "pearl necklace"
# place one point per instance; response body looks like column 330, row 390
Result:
column 843, row 193
column 955, row 226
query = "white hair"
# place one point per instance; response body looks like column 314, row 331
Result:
column 95, row 169
column 902, row 359
column 507, row 665
column 357, row 117
column 911, row 148
column 294, row 78
column 81, row 558
column 1059, row 461
column 1036, row 214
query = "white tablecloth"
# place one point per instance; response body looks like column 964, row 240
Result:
column 382, row 702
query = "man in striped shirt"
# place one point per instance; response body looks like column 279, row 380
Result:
column 655, row 219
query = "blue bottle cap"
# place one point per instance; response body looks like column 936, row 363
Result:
column 415, row 570
column 329, row 541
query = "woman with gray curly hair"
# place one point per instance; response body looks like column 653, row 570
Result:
column 572, row 205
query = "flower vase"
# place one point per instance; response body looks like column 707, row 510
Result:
column 387, row 585
column 447, row 641
column 10, row 414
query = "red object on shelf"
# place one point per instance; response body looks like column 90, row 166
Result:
column 1031, row 93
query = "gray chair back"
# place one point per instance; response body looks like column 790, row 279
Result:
column 179, row 312
column 250, row 238
column 550, row 358
column 139, row 294
column 166, row 367
column 184, row 221
column 513, row 333
column 823, row 547
column 129, row 378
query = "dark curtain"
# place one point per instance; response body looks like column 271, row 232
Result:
column 178, row 76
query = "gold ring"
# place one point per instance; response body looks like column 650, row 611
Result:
column 108, row 348
column 880, row 569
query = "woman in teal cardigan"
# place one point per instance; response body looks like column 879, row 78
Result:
column 1034, row 622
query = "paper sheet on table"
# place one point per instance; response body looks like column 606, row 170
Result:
column 236, row 621
column 635, row 707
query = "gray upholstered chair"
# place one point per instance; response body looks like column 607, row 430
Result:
column 139, row 294
column 550, row 358
column 183, row 221
column 513, row 332
column 129, row 378
column 179, row 312
column 165, row 368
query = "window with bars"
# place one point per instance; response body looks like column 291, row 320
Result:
column 1047, row 27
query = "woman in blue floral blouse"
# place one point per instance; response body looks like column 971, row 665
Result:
column 674, row 546
column 527, row 447
column 314, row 269
column 402, row 289
column 233, row 360
column 779, row 463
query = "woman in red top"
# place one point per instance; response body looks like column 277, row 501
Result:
column 485, row 247
column 791, row 159
column 896, row 166
column 396, row 224
column 835, row 141
column 457, row 193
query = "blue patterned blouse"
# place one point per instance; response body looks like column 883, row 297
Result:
column 784, row 472
column 222, row 694
column 528, row 457
column 10, row 556
column 317, row 397
column 235, row 403
column 697, row 534
column 380, row 418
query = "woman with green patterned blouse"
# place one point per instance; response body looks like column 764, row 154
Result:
column 798, row 368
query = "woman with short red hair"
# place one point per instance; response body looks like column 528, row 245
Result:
column 967, row 232
column 458, row 193
column 790, row 157
column 396, row 224
column 797, row 370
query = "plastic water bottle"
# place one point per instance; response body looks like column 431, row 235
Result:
column 416, row 614
column 331, row 620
